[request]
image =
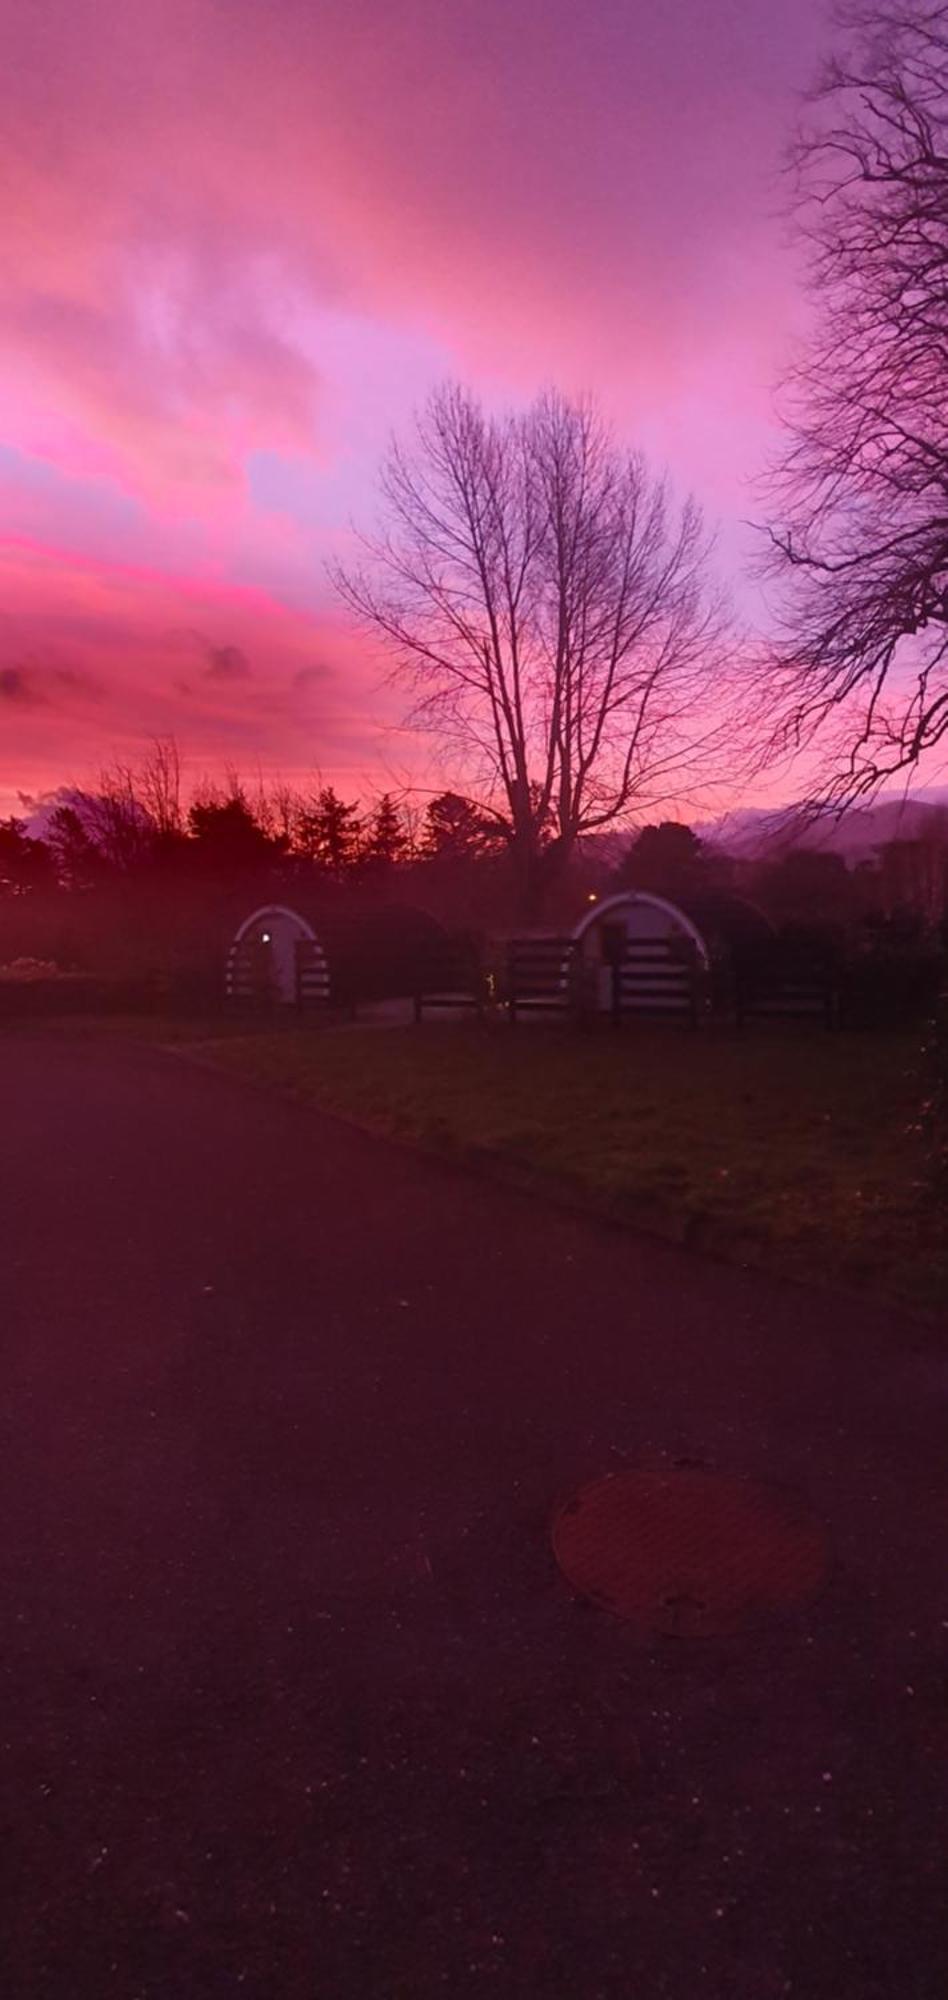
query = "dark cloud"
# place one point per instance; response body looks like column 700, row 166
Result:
column 18, row 687
column 310, row 676
column 227, row 663
column 73, row 680
column 35, row 683
column 221, row 663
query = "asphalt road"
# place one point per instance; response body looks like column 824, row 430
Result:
column 295, row 1703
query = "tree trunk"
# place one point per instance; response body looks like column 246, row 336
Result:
column 538, row 873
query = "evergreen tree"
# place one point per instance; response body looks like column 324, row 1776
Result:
column 386, row 840
column 25, row 864
column 457, row 830
column 329, row 832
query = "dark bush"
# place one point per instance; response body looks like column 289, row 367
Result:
column 889, row 984
column 934, row 1117
column 75, row 993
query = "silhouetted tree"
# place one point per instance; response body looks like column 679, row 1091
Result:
column 861, row 540
column 119, row 829
column 551, row 608
column 913, row 875
column 457, row 830
column 79, row 860
column 158, row 786
column 118, row 820
column 385, row 840
column 328, row 832
column 668, row 858
column 277, row 809
column 26, row 865
column 227, row 836
column 100, row 833
column 808, row 886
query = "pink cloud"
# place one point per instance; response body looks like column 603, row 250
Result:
column 589, row 196
column 95, row 660
column 244, row 238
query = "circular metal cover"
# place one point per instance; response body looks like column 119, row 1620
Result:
column 687, row 1551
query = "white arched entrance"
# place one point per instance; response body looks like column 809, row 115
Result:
column 636, row 915
column 276, row 932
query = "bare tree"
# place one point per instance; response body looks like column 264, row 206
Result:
column 158, row 787
column 283, row 807
column 117, row 819
column 552, row 611
column 861, row 539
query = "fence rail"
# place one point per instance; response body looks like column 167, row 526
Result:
column 541, row 977
column 651, row 976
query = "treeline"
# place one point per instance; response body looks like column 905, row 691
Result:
column 136, row 822
column 903, row 884
column 134, row 879
column 136, row 859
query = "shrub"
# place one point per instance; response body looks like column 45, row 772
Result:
column 934, row 1115
column 26, row 970
column 890, row 983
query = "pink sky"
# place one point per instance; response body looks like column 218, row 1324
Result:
column 248, row 235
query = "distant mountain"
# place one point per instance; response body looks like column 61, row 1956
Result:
column 757, row 831
column 856, row 835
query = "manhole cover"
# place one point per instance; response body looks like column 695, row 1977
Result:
column 688, row 1552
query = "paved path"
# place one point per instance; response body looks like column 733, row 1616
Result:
column 294, row 1702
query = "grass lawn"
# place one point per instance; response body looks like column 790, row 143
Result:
column 787, row 1147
